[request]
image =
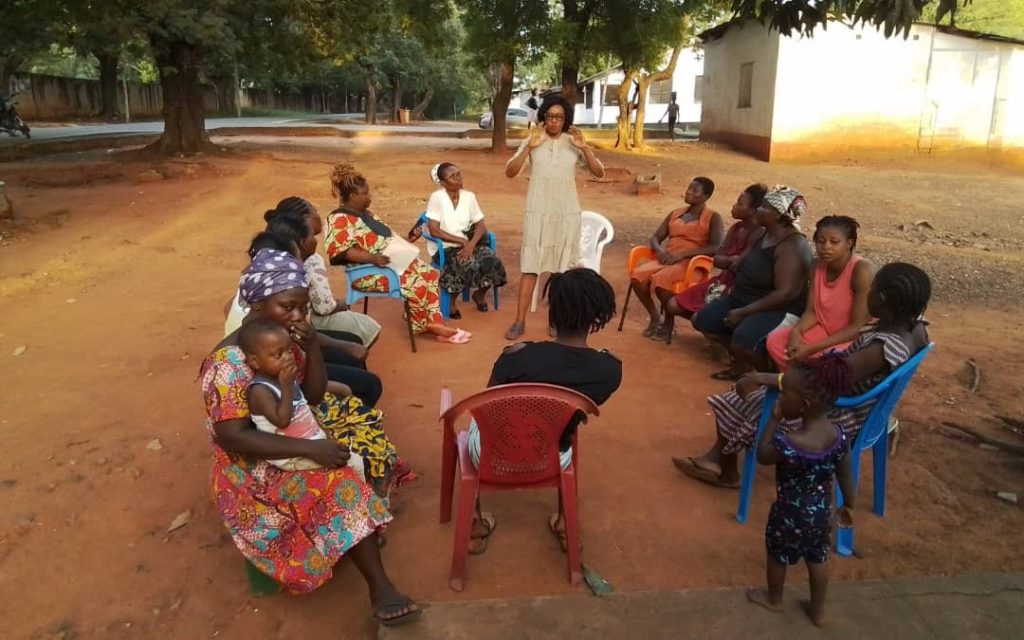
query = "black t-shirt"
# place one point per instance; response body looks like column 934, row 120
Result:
column 595, row 374
column 532, row 102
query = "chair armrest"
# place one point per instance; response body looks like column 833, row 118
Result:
column 637, row 254
column 492, row 241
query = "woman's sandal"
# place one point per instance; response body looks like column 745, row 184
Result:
column 478, row 543
column 690, row 467
column 516, row 331
column 459, row 337
column 455, row 314
column 406, row 608
column 661, row 334
column 563, row 541
column 481, row 304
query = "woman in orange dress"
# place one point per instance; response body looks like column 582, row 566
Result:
column 683, row 234
column 355, row 235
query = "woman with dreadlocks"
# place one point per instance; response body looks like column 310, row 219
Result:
column 356, row 235
column 808, row 451
column 897, row 299
column 580, row 302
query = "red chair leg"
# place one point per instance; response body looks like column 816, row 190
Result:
column 572, row 529
column 449, row 451
column 468, row 489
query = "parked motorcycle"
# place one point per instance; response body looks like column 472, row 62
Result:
column 10, row 122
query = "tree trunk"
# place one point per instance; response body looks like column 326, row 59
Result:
column 421, row 106
column 184, row 122
column 570, row 76
column 227, row 96
column 624, row 110
column 396, row 100
column 646, row 80
column 499, row 106
column 108, row 83
column 371, row 101
column 578, row 16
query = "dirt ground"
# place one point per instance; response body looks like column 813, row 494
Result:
column 112, row 282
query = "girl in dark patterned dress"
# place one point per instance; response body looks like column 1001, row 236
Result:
column 898, row 297
column 808, row 451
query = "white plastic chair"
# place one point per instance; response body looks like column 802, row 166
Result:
column 595, row 233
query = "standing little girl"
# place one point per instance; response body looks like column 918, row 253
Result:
column 807, row 451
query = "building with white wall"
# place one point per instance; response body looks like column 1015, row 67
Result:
column 597, row 99
column 850, row 91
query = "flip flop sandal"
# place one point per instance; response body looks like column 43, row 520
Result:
column 690, row 467
column 727, row 375
column 515, row 332
column 490, row 524
column 481, row 305
column 661, row 335
column 460, row 337
column 455, row 315
column 395, row 621
column 649, row 331
column 563, row 542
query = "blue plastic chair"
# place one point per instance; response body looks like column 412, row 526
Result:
column 446, row 298
column 873, row 435
column 354, row 272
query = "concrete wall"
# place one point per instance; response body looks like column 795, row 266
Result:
column 852, row 92
column 689, row 66
column 722, row 119
column 55, row 98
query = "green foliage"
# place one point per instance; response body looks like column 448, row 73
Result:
column 803, row 16
column 505, row 30
column 998, row 17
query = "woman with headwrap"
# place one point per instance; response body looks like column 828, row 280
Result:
column 771, row 282
column 454, row 216
column 355, row 235
column 292, row 525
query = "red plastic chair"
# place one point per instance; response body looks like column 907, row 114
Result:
column 520, row 427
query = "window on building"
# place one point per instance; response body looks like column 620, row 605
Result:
column 746, row 84
column 698, row 89
column 661, row 92
column 579, row 96
column 588, row 90
column 611, row 94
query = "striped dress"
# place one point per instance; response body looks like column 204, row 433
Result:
column 736, row 418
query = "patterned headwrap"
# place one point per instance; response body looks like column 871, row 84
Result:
column 434, row 175
column 788, row 202
column 270, row 273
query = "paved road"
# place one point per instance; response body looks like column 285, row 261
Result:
column 345, row 122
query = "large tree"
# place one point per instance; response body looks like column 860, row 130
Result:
column 804, row 16
column 498, row 32
column 101, row 28
column 24, row 31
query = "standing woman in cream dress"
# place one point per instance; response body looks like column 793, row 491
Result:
column 551, row 226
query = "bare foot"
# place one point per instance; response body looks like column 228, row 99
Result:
column 762, row 598
column 817, row 617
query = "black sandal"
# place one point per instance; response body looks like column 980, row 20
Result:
column 412, row 612
column 455, row 314
column 481, row 304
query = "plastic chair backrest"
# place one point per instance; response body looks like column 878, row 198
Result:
column 595, row 232
column 887, row 394
column 520, row 428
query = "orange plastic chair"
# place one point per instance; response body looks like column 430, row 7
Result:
column 520, row 427
column 697, row 271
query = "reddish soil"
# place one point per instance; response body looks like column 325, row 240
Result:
column 114, row 287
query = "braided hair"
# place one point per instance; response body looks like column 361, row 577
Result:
column 345, row 180
column 825, row 378
column 292, row 225
column 906, row 290
column 757, row 193
column 272, row 240
column 291, row 204
column 846, row 224
column 580, row 302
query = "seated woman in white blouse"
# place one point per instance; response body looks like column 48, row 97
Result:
column 454, row 217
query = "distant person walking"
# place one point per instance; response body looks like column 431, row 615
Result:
column 673, row 114
column 532, row 106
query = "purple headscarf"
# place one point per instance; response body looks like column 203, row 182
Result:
column 270, row 273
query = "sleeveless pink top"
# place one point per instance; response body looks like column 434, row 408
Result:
column 833, row 301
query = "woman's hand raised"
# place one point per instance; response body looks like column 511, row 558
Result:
column 576, row 138
column 536, row 137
